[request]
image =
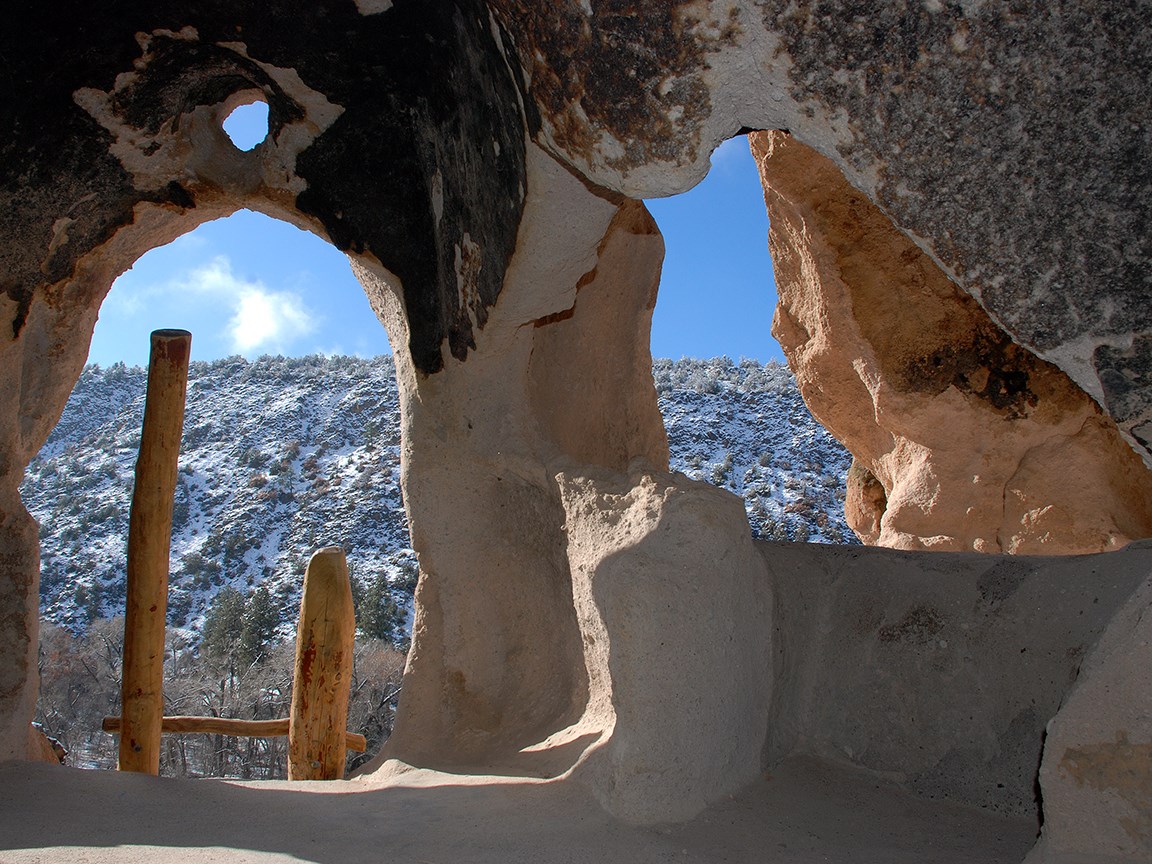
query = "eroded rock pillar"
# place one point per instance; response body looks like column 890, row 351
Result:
column 579, row 607
column 19, row 596
column 963, row 439
column 497, row 661
column 42, row 356
column 676, row 610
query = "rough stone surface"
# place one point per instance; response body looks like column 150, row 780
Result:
column 423, row 93
column 474, row 160
column 1007, row 140
column 1096, row 778
column 963, row 440
column 669, row 591
column 19, row 628
column 942, row 670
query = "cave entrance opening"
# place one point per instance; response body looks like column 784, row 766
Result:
column 291, row 443
column 737, row 423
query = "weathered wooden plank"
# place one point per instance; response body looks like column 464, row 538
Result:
column 182, row 724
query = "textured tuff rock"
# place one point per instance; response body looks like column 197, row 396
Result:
column 981, row 650
column 962, row 439
column 956, row 118
column 475, row 160
column 1096, row 777
column 644, row 550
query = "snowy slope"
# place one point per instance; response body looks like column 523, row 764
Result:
column 283, row 456
column 745, row 427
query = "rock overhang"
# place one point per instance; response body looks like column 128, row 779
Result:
column 423, row 164
column 956, row 119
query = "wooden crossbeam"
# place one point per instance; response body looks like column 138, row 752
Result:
column 229, row 726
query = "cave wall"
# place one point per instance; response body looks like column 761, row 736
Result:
column 1007, row 141
column 476, row 162
column 946, row 670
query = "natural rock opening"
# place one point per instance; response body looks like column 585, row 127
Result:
column 247, row 124
column 733, row 415
column 963, row 440
column 253, row 501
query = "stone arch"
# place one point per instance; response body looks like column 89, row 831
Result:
column 164, row 166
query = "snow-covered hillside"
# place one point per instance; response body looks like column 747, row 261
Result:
column 283, row 456
column 745, row 427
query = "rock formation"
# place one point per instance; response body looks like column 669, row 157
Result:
column 1096, row 776
column 476, row 162
column 962, row 439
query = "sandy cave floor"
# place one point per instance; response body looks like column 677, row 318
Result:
column 804, row 811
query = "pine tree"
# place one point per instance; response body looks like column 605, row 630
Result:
column 258, row 630
column 224, row 623
column 378, row 614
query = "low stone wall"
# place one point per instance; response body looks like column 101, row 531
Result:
column 943, row 670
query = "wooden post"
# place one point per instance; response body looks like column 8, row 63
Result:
column 149, row 543
column 323, row 675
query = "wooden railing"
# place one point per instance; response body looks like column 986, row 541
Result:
column 322, row 678
column 186, row 724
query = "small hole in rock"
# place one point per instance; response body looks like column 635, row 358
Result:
column 247, row 125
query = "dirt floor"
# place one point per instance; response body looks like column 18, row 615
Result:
column 805, row 811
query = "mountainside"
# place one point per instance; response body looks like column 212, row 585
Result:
column 284, row 455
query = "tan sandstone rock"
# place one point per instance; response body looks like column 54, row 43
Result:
column 962, row 439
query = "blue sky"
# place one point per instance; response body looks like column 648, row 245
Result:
column 251, row 285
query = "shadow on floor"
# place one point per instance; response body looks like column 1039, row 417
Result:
column 804, row 812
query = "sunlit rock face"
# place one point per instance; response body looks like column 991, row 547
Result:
column 962, row 439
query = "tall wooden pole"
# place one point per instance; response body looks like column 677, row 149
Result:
column 149, row 544
column 323, row 675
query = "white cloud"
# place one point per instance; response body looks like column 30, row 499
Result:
column 268, row 319
column 261, row 319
